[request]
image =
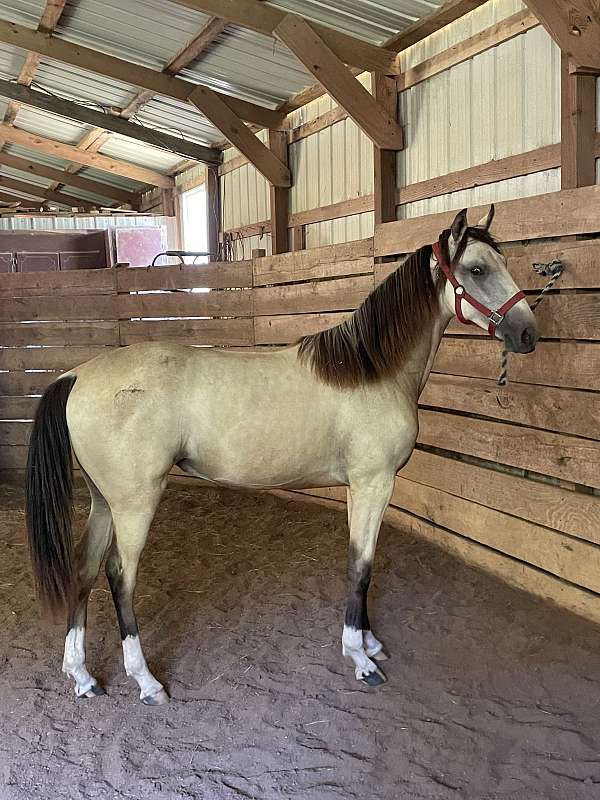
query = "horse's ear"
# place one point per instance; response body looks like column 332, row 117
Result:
column 459, row 226
column 487, row 220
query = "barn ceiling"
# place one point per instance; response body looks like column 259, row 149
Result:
column 239, row 62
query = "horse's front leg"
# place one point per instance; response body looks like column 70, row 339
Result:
column 369, row 501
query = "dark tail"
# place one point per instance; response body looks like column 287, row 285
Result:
column 49, row 499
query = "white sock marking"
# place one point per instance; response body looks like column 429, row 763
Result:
column 136, row 667
column 74, row 661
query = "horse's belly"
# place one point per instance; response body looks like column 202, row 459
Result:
column 264, row 457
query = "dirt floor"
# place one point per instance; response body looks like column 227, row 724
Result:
column 491, row 694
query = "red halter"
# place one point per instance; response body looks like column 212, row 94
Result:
column 494, row 318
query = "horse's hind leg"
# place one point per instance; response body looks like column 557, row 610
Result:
column 369, row 501
column 90, row 552
column 131, row 530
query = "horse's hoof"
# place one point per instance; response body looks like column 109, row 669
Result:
column 380, row 656
column 94, row 691
column 376, row 678
column 158, row 699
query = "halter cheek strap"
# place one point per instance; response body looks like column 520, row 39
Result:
column 494, row 318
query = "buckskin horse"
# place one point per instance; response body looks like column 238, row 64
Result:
column 337, row 409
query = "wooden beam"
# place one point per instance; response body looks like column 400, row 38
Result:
column 324, row 64
column 196, row 46
column 42, row 193
column 71, row 153
column 578, row 128
column 224, row 118
column 48, row 21
column 265, row 19
column 213, row 210
column 17, row 199
column 65, row 108
column 538, row 160
column 51, row 15
column 279, row 197
column 126, row 71
column 60, row 176
column 449, row 12
column 496, row 34
column 189, row 53
column 575, row 27
column 384, row 161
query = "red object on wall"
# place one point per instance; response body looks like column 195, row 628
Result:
column 138, row 246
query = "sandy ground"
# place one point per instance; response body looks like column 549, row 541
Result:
column 491, row 694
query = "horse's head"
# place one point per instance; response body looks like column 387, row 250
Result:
column 482, row 284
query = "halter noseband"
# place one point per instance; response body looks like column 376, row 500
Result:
column 494, row 318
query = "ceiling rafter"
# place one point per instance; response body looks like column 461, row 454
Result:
column 48, row 21
column 69, row 152
column 78, row 181
column 224, row 112
column 308, row 46
column 264, row 19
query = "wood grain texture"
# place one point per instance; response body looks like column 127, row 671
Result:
column 288, row 328
column 230, row 332
column 572, row 559
column 67, row 283
column 318, row 58
column 564, row 213
column 318, row 262
column 215, row 275
column 53, row 358
column 333, row 295
column 59, row 333
column 546, row 407
column 573, row 513
column 570, row 365
column 568, row 458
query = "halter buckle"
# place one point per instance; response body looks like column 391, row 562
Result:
column 459, row 291
column 495, row 318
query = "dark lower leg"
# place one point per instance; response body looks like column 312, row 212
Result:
column 121, row 569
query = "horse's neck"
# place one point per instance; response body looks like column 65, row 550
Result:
column 415, row 371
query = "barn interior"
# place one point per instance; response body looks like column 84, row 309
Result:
column 237, row 175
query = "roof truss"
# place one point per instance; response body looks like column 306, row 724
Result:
column 71, row 153
column 264, row 19
column 308, row 46
column 575, row 27
column 66, row 108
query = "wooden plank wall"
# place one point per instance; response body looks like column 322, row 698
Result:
column 508, row 478
column 52, row 321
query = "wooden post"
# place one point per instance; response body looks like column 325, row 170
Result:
column 578, row 128
column 299, row 238
column 280, row 197
column 213, row 210
column 168, row 202
column 384, row 179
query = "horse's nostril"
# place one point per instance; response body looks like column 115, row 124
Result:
column 527, row 337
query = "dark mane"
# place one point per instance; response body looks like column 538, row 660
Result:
column 378, row 337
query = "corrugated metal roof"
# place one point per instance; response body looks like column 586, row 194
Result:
column 11, row 60
column 372, row 20
column 149, row 32
column 144, row 155
column 50, row 125
column 181, row 119
column 241, row 63
column 73, row 83
column 251, row 66
column 23, row 12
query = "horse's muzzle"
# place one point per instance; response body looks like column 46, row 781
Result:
column 521, row 339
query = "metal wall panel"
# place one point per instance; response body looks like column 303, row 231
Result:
column 500, row 103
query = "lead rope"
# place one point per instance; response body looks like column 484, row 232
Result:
column 555, row 269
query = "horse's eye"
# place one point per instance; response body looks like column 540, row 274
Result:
column 476, row 271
